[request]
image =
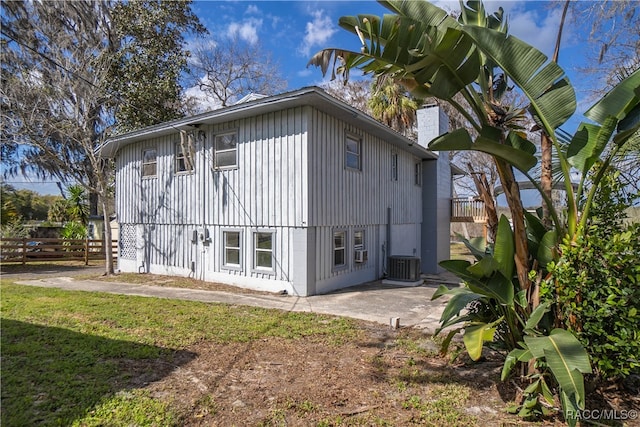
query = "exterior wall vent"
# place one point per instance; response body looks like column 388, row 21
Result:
column 404, row 268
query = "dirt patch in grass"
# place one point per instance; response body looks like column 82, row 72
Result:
column 174, row 282
column 374, row 381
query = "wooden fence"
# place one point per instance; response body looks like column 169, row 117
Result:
column 30, row 250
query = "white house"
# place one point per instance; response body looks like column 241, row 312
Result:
column 298, row 192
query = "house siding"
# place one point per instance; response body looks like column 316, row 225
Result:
column 267, row 191
column 339, row 195
column 347, row 199
column 291, row 180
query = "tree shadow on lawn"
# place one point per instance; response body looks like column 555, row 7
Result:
column 52, row 376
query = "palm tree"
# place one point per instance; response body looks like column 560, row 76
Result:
column 77, row 206
column 391, row 104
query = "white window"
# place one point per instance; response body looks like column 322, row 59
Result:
column 339, row 248
column 232, row 246
column 353, row 152
column 184, row 159
column 149, row 162
column 418, row 173
column 263, row 247
column 226, row 150
column 358, row 240
column 359, row 252
column 394, row 166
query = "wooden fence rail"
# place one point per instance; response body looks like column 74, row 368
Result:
column 465, row 210
column 40, row 249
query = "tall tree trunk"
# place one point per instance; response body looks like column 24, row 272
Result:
column 484, row 191
column 103, row 194
column 512, row 193
column 546, row 176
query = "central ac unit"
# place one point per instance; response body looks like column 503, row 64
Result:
column 404, row 268
column 361, row 256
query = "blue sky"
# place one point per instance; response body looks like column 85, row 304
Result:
column 294, row 30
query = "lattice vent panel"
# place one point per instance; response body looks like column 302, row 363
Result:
column 127, row 241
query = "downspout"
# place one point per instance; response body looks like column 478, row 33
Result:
column 202, row 143
column 386, row 254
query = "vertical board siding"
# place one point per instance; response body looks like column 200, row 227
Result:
column 268, row 188
column 266, row 191
column 214, row 256
column 342, row 196
column 290, row 174
column 324, row 253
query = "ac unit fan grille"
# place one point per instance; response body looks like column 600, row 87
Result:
column 404, row 268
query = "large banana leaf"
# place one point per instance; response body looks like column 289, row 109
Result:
column 504, row 248
column 552, row 97
column 420, row 43
column 567, row 359
column 460, row 140
column 475, row 336
column 619, row 102
column 483, row 278
column 588, row 143
column 460, row 298
column 421, row 11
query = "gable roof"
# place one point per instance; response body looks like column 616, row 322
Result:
column 311, row 96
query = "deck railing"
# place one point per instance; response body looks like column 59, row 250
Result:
column 468, row 210
column 40, row 249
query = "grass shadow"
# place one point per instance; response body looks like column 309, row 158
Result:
column 53, row 376
column 51, row 268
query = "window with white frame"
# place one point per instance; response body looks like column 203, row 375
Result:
column 263, row 247
column 418, row 173
column 339, row 248
column 149, row 162
column 358, row 240
column 353, row 152
column 232, row 248
column 358, row 246
column 226, row 147
column 394, row 166
column 184, row 159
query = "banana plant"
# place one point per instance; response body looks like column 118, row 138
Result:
column 561, row 354
column 491, row 288
column 435, row 55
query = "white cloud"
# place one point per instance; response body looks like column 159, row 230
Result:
column 537, row 25
column 317, row 32
column 200, row 101
column 252, row 9
column 246, row 30
column 539, row 28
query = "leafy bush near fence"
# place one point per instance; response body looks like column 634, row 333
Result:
column 74, row 230
column 598, row 284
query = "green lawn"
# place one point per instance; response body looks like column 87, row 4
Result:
column 80, row 358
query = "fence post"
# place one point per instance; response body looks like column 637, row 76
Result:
column 24, row 250
column 86, row 250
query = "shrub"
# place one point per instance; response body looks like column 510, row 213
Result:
column 74, row 230
column 597, row 284
column 15, row 229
